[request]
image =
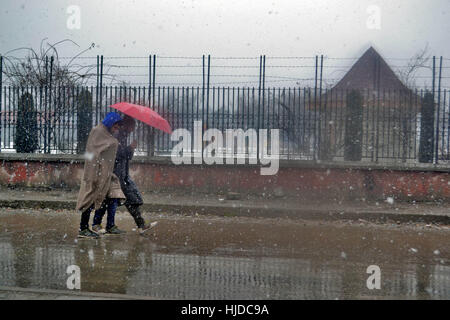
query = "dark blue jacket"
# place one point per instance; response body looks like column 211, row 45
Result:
column 121, row 170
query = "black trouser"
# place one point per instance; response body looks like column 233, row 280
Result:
column 135, row 212
column 109, row 204
column 85, row 215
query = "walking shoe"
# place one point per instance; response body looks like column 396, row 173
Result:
column 86, row 233
column 114, row 230
column 97, row 228
column 147, row 227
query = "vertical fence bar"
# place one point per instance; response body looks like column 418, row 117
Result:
column 443, row 124
column 238, row 107
column 154, row 85
column 377, row 143
column 367, row 122
column 319, row 133
column 149, row 79
column 374, row 146
column 152, row 136
column 263, row 82
column 203, row 102
column 9, row 115
column 259, row 107
column 165, row 112
column 398, row 123
column 97, row 116
column 286, row 111
column 315, row 109
column 438, row 110
column 433, row 79
column 188, row 115
column 253, row 109
column 45, row 104
column 224, row 104
column 173, row 109
column 154, row 78
column 410, row 118
column 183, row 125
column 416, row 111
column 294, row 126
column 434, row 101
column 448, row 126
column 178, row 107
column 213, row 107
column 66, row 121
column 264, row 94
column 52, row 116
column 278, row 108
column 101, row 82
column 147, row 128
column 207, row 92
column 309, row 131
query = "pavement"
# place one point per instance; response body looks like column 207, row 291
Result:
column 388, row 210
column 198, row 257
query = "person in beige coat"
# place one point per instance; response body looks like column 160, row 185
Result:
column 100, row 187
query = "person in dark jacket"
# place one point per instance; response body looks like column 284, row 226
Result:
column 121, row 170
column 100, row 188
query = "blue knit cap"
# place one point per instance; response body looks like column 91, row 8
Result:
column 111, row 118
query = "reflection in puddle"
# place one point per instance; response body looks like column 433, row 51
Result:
column 137, row 268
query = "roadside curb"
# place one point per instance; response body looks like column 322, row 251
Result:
column 236, row 210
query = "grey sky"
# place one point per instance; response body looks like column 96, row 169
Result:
column 230, row 28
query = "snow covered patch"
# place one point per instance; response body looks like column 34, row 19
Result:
column 88, row 156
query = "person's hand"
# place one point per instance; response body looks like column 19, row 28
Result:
column 133, row 144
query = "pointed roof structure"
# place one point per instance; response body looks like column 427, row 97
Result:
column 370, row 72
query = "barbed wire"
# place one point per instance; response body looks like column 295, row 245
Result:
column 224, row 58
column 112, row 71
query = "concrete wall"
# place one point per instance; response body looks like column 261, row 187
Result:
column 301, row 179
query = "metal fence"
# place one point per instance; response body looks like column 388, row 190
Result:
column 312, row 122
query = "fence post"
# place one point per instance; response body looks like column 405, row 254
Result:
column 96, row 90
column 151, row 130
column 154, row 78
column 101, row 81
column 84, row 118
column 324, row 143
column 259, row 108
column 207, row 92
column 438, row 111
column 203, row 105
column 51, row 117
column 315, row 109
column 427, row 129
column 148, row 129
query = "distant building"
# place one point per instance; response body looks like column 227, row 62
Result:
column 389, row 117
column 370, row 72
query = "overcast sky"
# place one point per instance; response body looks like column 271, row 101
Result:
column 231, row 28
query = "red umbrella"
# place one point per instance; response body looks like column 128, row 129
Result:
column 144, row 114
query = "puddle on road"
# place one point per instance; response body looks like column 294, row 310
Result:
column 223, row 258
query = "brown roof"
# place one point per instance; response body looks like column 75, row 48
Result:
column 370, row 72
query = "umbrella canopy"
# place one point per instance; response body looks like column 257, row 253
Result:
column 143, row 114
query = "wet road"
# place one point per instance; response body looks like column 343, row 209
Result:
column 208, row 257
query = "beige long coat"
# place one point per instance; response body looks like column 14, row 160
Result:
column 98, row 180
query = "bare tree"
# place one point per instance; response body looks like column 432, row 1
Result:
column 419, row 61
column 53, row 84
column 43, row 67
column 408, row 75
